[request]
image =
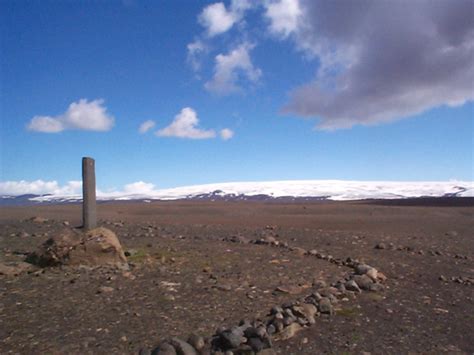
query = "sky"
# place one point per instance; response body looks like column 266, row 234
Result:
column 174, row 92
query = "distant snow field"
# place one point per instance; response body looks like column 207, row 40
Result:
column 327, row 189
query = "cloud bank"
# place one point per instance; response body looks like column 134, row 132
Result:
column 39, row 187
column 334, row 189
column 80, row 115
column 380, row 60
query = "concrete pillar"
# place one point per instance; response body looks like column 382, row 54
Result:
column 89, row 209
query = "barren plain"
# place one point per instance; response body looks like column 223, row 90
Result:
column 195, row 266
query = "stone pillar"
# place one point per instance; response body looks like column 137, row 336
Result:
column 89, row 210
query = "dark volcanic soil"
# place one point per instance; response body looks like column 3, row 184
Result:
column 185, row 278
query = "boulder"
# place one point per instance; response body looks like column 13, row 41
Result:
column 99, row 246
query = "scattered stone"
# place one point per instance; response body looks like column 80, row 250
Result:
column 299, row 251
column 292, row 290
column 381, row 246
column 105, row 289
column 236, row 239
column 38, row 219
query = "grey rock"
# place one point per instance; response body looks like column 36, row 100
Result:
column 231, row 339
column 363, row 281
column 351, row 285
column 376, row 287
column 362, row 269
column 381, row 246
column 271, row 329
column 319, row 284
column 182, row 347
column 325, row 306
column 164, row 349
column 196, row 341
column 256, row 344
column 276, row 309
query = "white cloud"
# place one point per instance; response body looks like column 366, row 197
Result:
column 216, row 19
column 81, row 115
column 226, row 134
column 39, row 187
column 283, row 15
column 232, row 67
column 146, row 126
column 185, row 125
column 196, row 50
column 139, row 187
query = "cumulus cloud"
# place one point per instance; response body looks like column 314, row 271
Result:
column 226, row 134
column 185, row 125
column 39, row 187
column 231, row 68
column 380, row 60
column 283, row 16
column 80, row 115
column 146, row 126
column 217, row 19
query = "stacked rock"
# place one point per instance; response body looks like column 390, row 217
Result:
column 248, row 337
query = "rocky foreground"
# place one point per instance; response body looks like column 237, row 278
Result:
column 237, row 284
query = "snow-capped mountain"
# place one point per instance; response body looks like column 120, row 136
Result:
column 297, row 189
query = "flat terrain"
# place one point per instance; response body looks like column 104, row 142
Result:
column 188, row 275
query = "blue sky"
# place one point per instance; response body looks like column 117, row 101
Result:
column 297, row 97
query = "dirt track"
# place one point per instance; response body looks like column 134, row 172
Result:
column 187, row 279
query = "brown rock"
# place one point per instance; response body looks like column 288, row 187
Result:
column 99, row 246
column 290, row 331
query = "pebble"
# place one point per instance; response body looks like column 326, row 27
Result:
column 381, row 246
column 105, row 289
